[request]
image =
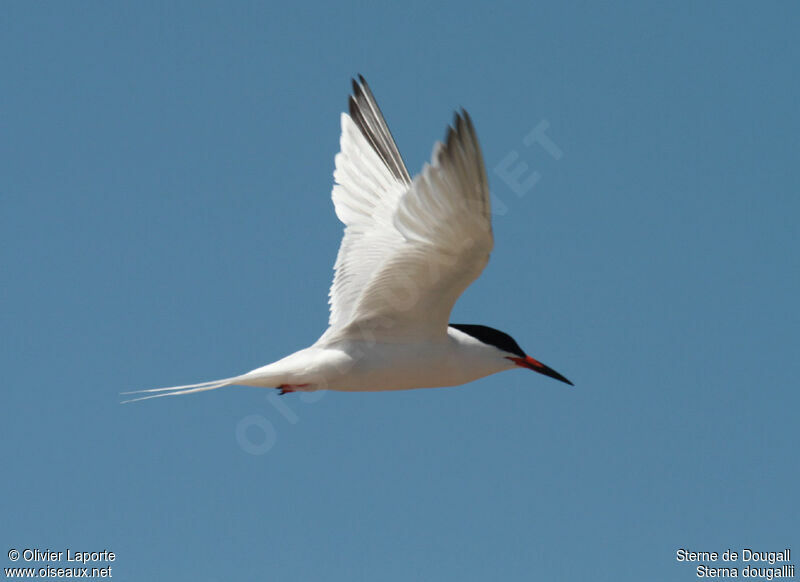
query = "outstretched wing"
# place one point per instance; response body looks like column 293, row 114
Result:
column 370, row 178
column 410, row 247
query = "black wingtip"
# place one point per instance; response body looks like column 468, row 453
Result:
column 367, row 116
column 461, row 124
column 468, row 119
column 360, row 86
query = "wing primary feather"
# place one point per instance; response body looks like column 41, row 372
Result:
column 367, row 100
column 368, row 117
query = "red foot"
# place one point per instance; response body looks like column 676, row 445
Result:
column 289, row 388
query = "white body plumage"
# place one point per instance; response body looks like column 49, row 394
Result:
column 366, row 366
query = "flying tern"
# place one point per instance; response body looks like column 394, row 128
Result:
column 411, row 246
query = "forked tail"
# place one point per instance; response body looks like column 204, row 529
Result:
column 180, row 390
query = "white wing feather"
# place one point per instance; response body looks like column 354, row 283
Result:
column 365, row 196
column 409, row 248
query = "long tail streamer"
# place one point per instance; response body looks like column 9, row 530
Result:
column 179, row 390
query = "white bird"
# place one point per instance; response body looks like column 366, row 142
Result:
column 410, row 249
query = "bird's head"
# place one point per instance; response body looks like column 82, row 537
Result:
column 508, row 348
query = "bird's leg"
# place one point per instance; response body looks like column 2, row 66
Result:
column 289, row 388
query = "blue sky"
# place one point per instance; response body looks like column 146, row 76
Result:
column 165, row 218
